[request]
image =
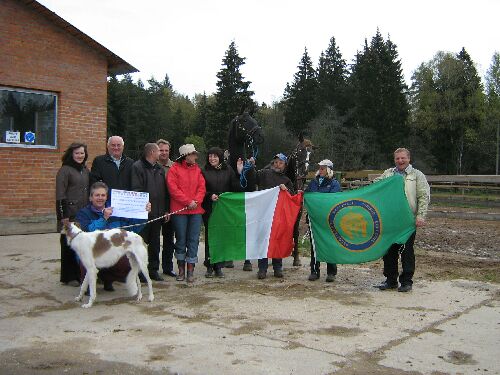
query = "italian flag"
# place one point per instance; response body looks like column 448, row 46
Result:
column 253, row 225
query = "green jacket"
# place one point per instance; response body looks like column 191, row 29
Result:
column 417, row 189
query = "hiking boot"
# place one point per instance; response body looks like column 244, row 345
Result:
column 182, row 270
column 330, row 278
column 313, row 276
column 190, row 273
column 108, row 286
column 278, row 273
column 247, row 266
column 405, row 288
column 219, row 273
column 261, row 274
column 388, row 285
column 210, row 272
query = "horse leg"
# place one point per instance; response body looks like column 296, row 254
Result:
column 296, row 257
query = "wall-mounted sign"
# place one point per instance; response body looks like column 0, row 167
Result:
column 12, row 137
column 29, row 137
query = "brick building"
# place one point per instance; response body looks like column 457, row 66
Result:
column 53, row 91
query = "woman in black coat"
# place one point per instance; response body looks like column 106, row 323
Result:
column 72, row 182
column 219, row 178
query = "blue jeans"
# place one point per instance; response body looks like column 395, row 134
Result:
column 187, row 236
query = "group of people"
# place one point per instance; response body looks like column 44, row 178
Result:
column 181, row 196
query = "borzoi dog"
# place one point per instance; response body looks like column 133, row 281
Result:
column 102, row 249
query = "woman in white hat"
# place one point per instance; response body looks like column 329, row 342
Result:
column 186, row 186
column 324, row 182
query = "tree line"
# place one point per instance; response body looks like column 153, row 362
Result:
column 356, row 114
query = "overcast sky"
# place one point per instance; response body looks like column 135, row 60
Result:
column 187, row 39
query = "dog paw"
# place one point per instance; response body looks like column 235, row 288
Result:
column 139, row 297
column 151, row 298
column 78, row 298
column 87, row 305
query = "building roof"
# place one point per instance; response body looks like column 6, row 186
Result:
column 116, row 65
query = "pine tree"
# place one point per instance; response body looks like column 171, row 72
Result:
column 379, row 94
column 232, row 96
column 332, row 80
column 201, row 120
column 300, row 97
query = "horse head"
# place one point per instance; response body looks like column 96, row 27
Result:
column 303, row 152
column 298, row 162
column 247, row 129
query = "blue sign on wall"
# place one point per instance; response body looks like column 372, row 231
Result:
column 29, row 137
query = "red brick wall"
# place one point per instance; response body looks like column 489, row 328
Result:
column 36, row 54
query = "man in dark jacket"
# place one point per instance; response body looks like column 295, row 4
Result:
column 113, row 168
column 266, row 179
column 167, row 229
column 149, row 176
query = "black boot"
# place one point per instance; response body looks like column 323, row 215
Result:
column 313, row 276
column 210, row 271
column 108, row 286
column 218, row 271
column 247, row 266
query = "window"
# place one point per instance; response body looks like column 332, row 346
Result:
column 27, row 118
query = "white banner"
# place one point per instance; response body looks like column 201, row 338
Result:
column 129, row 204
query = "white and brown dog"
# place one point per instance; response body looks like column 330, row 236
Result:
column 102, row 249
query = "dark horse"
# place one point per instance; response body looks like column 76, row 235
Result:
column 296, row 170
column 245, row 136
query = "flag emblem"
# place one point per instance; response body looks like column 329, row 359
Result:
column 355, row 224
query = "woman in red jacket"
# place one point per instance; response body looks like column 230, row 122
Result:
column 186, row 186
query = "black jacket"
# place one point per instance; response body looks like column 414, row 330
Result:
column 104, row 169
column 268, row 178
column 150, row 178
column 218, row 181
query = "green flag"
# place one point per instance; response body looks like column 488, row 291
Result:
column 360, row 225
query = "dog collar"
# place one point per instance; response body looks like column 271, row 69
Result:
column 71, row 240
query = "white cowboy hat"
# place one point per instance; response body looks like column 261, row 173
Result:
column 185, row 150
column 327, row 163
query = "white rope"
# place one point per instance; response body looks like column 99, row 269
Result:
column 152, row 220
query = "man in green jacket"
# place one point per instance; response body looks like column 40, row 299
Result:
column 418, row 195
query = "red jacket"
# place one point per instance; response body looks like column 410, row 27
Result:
column 185, row 183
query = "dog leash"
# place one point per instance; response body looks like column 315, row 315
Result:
column 152, row 220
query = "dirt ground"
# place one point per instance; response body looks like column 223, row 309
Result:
column 449, row 323
column 448, row 248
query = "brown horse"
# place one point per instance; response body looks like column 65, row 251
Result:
column 296, row 170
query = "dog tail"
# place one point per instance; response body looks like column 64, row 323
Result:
column 131, row 283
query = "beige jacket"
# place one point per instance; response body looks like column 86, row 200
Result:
column 417, row 189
